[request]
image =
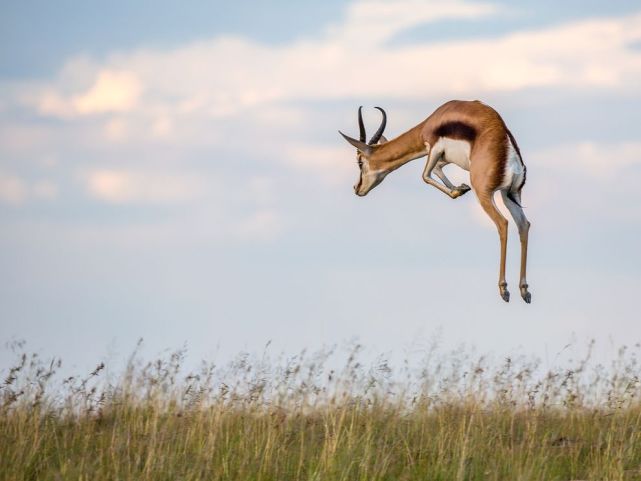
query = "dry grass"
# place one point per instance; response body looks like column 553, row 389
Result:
column 455, row 417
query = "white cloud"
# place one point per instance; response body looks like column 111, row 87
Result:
column 112, row 91
column 331, row 164
column 566, row 177
column 162, row 126
column 121, row 186
column 249, row 97
column 13, row 190
column 377, row 21
column 16, row 190
column 19, row 137
column 214, row 211
column 116, row 130
column 226, row 75
column 598, row 160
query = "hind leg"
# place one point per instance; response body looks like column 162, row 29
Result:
column 524, row 228
column 486, row 199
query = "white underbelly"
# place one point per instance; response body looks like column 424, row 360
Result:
column 453, row 152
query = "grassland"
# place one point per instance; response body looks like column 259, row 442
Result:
column 452, row 417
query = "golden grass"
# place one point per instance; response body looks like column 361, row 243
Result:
column 296, row 419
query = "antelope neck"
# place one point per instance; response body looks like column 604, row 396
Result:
column 396, row 152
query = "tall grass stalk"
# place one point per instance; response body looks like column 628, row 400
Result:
column 450, row 417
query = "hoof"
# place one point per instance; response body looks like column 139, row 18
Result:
column 525, row 294
column 460, row 190
column 505, row 294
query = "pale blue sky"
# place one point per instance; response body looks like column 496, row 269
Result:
column 174, row 172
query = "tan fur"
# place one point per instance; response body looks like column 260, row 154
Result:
column 488, row 136
column 489, row 147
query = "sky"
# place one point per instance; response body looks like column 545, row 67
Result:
column 173, row 171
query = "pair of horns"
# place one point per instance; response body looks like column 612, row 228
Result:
column 361, row 126
column 361, row 144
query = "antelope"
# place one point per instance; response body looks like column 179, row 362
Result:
column 474, row 137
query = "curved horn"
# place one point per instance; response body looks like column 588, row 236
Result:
column 380, row 130
column 361, row 125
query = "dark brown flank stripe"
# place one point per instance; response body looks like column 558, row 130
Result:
column 456, row 130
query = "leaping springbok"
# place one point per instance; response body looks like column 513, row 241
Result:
column 471, row 135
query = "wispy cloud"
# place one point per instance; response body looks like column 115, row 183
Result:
column 12, row 189
column 331, row 164
column 374, row 22
column 227, row 75
column 250, row 99
column 144, row 182
column 589, row 158
column 112, row 91
column 16, row 190
column 122, row 186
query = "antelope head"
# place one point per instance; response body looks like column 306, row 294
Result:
column 370, row 175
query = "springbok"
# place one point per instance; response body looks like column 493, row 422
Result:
column 471, row 135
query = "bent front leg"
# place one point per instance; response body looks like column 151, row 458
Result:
column 448, row 188
column 438, row 170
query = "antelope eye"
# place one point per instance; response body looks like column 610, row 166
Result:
column 360, row 163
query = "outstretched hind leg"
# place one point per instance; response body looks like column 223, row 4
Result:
column 524, row 228
column 486, row 199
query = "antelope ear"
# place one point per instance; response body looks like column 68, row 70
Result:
column 362, row 146
column 382, row 140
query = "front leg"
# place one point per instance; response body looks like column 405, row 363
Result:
column 461, row 189
column 448, row 188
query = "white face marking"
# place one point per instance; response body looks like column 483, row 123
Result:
column 454, row 152
column 514, row 170
column 368, row 179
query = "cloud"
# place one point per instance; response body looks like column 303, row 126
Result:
column 331, row 164
column 225, row 75
column 115, row 129
column 224, row 91
column 214, row 210
column 230, row 97
column 121, row 186
column 565, row 178
column 112, row 91
column 598, row 160
column 15, row 190
column 377, row 21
